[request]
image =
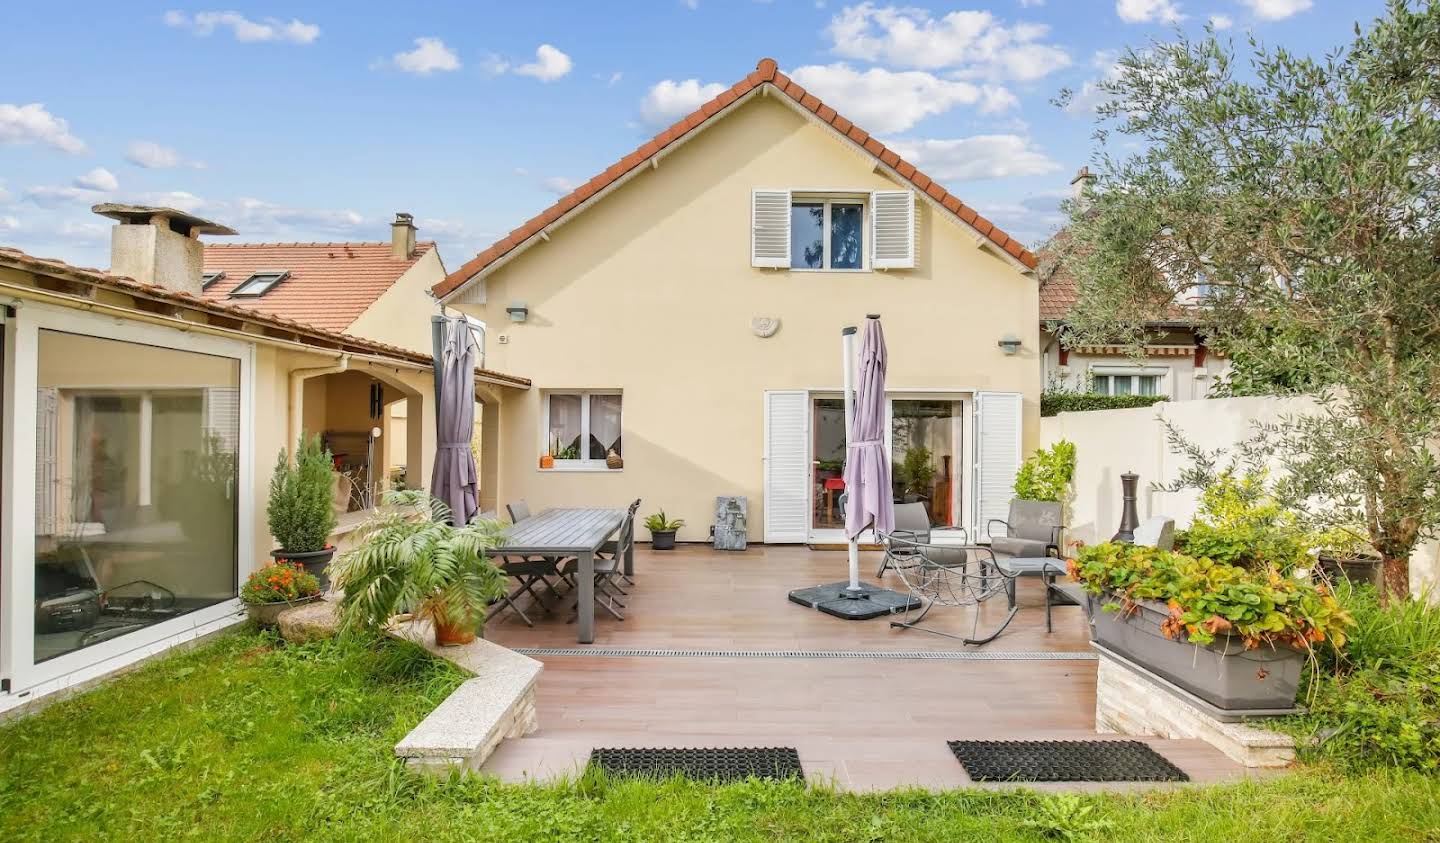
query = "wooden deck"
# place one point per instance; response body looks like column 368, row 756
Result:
column 875, row 721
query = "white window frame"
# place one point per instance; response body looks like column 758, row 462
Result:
column 827, row 200
column 584, row 463
column 1161, row 373
column 17, row 552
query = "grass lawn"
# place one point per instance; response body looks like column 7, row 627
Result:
column 247, row 739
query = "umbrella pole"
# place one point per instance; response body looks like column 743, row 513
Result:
column 847, row 344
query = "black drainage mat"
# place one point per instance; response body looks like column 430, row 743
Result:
column 700, row 764
column 1064, row 761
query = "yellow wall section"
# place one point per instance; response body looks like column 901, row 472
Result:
column 651, row 291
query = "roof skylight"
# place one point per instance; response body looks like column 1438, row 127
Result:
column 259, row 284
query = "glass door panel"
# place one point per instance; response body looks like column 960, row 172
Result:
column 924, row 444
column 827, row 463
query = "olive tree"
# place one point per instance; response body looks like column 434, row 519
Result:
column 1293, row 205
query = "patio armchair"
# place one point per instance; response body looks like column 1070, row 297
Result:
column 912, row 526
column 950, row 575
column 1033, row 529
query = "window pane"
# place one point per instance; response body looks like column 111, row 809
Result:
column 845, row 236
column 564, row 437
column 1123, row 384
column 1149, row 384
column 1100, row 384
column 807, row 235
column 604, row 426
column 136, row 462
column 922, row 453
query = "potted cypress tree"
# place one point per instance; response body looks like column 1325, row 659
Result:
column 301, row 510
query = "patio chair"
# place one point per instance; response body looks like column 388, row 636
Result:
column 528, row 572
column 912, row 523
column 950, row 575
column 1032, row 529
column 609, row 567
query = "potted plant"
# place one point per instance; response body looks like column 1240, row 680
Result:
column 275, row 588
column 662, row 530
column 1234, row 637
column 301, row 510
column 1345, row 554
column 410, row 559
column 917, row 474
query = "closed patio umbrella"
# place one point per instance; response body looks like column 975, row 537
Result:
column 454, row 479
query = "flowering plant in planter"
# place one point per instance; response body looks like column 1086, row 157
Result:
column 279, row 582
column 1206, row 599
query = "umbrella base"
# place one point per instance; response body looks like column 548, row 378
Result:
column 870, row 601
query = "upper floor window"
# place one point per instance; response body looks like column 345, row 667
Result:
column 827, row 234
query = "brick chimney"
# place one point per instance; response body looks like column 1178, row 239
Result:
column 157, row 245
column 402, row 236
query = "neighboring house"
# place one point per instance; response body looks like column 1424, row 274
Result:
column 141, row 424
column 1177, row 363
column 684, row 309
column 378, row 291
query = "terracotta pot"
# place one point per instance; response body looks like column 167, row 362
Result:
column 547, row 461
column 453, row 634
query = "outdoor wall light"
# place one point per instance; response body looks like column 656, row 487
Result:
column 518, row 311
column 1010, row 344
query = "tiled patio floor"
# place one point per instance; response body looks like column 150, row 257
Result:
column 862, row 723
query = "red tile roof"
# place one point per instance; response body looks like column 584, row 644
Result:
column 766, row 73
column 301, row 332
column 330, row 284
column 1058, row 290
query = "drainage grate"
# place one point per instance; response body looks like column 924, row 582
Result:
column 721, row 764
column 883, row 655
column 1064, row 761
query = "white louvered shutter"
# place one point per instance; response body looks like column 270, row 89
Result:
column 787, row 466
column 892, row 229
column 770, row 228
column 998, row 416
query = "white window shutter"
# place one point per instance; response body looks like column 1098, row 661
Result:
column 787, row 466
column 892, row 229
column 770, row 228
column 998, row 417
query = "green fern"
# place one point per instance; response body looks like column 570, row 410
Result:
column 411, row 560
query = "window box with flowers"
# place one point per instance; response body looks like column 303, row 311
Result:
column 275, row 588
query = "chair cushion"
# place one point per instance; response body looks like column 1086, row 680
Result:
column 949, row 557
column 1017, row 547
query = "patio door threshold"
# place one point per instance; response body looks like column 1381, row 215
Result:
column 824, row 545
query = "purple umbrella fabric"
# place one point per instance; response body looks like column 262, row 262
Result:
column 454, row 479
column 867, row 466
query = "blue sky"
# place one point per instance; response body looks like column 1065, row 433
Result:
column 317, row 121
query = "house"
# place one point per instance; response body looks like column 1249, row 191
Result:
column 1177, row 363
column 684, row 308
column 373, row 290
column 141, row 424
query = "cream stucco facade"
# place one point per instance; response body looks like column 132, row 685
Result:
column 650, row 292
column 401, row 315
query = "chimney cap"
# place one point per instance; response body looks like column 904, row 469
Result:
column 141, row 214
column 402, row 218
column 1083, row 175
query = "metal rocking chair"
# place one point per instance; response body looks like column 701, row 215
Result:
column 948, row 575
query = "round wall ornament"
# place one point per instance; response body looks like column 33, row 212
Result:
column 765, row 326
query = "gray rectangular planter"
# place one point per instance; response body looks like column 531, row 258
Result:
column 1223, row 673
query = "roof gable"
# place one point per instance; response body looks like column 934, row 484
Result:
column 766, row 77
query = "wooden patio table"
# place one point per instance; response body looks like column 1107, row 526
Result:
column 578, row 532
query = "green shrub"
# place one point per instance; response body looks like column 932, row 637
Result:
column 1238, row 523
column 1376, row 703
column 301, row 510
column 1208, row 598
column 1046, row 474
column 1055, row 402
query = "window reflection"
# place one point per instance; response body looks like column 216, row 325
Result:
column 807, row 235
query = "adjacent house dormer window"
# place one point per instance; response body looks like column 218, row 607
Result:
column 209, row 278
column 836, row 231
column 259, row 284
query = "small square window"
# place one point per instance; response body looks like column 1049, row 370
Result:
column 259, row 284
column 210, row 278
column 582, row 428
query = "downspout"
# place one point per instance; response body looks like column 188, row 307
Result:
column 297, row 393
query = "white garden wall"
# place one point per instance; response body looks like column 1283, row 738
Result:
column 1110, row 442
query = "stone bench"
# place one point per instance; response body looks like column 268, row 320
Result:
column 498, row 703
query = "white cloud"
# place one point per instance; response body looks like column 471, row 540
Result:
column 50, row 196
column 293, row 31
column 1146, row 11
column 9, row 223
column 1221, row 22
column 98, row 179
column 610, row 79
column 153, row 156
column 258, row 217
column 975, row 158
column 1089, row 97
column 1026, row 4
column 429, row 55
column 5, row 195
column 884, row 101
column 550, row 64
column 668, row 100
column 972, row 43
column 1032, row 219
column 559, row 185
column 33, row 124
column 692, row 5
column 1277, row 9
